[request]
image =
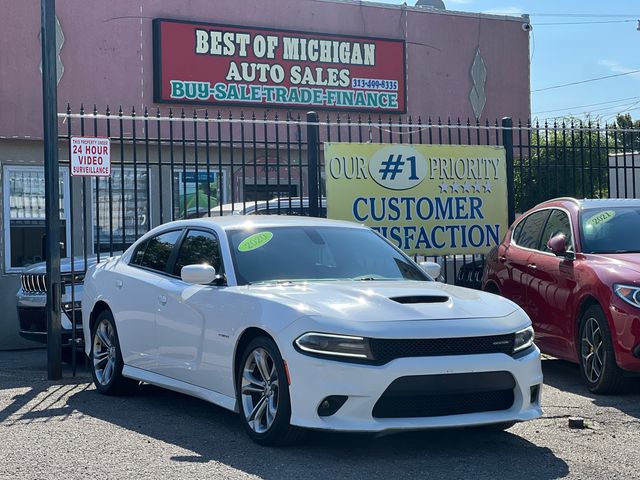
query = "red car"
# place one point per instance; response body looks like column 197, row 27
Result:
column 574, row 267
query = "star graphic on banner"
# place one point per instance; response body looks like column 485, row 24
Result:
column 455, row 187
column 487, row 187
column 467, row 187
column 477, row 187
column 443, row 187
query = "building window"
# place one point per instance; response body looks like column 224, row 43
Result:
column 194, row 193
column 110, row 232
column 24, row 216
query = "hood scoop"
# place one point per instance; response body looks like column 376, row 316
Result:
column 417, row 299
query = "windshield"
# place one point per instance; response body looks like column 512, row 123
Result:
column 317, row 253
column 610, row 230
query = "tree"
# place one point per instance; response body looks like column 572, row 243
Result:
column 567, row 159
column 627, row 140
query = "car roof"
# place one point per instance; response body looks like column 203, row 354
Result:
column 241, row 221
column 587, row 203
column 609, row 202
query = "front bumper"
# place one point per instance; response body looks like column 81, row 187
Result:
column 314, row 379
column 625, row 334
column 32, row 318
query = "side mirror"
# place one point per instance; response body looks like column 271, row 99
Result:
column 198, row 274
column 432, row 269
column 558, row 245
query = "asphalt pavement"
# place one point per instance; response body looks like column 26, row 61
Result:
column 65, row 430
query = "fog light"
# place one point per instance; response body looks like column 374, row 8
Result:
column 535, row 394
column 331, row 405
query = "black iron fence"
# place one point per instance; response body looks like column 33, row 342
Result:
column 172, row 165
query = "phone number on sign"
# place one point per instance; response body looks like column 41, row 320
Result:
column 373, row 84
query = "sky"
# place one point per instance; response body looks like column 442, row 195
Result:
column 564, row 48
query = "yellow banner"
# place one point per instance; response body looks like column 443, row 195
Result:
column 426, row 199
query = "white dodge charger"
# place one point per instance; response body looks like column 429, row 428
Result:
column 300, row 323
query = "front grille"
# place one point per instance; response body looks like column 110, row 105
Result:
column 34, row 283
column 440, row 395
column 385, row 350
column 470, row 275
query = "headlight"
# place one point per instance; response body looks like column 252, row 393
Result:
column 524, row 339
column 332, row 345
column 628, row 293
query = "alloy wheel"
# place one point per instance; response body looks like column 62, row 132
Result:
column 260, row 390
column 104, row 352
column 592, row 350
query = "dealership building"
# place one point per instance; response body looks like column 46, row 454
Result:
column 281, row 57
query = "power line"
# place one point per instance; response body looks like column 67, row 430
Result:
column 536, row 24
column 586, row 15
column 587, row 105
column 585, row 81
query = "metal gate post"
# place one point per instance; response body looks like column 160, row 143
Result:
column 507, row 142
column 51, row 186
column 313, row 153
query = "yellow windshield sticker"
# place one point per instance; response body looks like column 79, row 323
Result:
column 254, row 241
column 600, row 218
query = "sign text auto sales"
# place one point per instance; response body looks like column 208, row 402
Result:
column 204, row 63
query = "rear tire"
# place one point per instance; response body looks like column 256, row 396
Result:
column 263, row 395
column 597, row 356
column 106, row 358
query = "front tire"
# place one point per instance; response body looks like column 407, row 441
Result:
column 597, row 356
column 106, row 358
column 263, row 395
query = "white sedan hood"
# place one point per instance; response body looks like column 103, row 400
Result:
column 386, row 301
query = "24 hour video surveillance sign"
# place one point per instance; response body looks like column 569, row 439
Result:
column 426, row 199
column 226, row 65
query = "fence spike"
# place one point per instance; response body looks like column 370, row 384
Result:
column 133, row 111
column 95, row 109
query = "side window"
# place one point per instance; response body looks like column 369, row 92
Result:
column 136, row 258
column 558, row 223
column 530, row 235
column 198, row 247
column 517, row 231
column 156, row 255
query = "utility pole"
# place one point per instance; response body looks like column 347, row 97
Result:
column 51, row 186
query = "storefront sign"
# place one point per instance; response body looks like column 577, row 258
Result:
column 90, row 157
column 426, row 199
column 227, row 65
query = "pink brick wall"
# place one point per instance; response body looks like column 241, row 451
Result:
column 107, row 53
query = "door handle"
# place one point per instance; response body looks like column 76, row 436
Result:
column 532, row 265
column 119, row 284
column 502, row 259
column 162, row 299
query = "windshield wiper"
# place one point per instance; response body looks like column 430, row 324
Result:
column 370, row 278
